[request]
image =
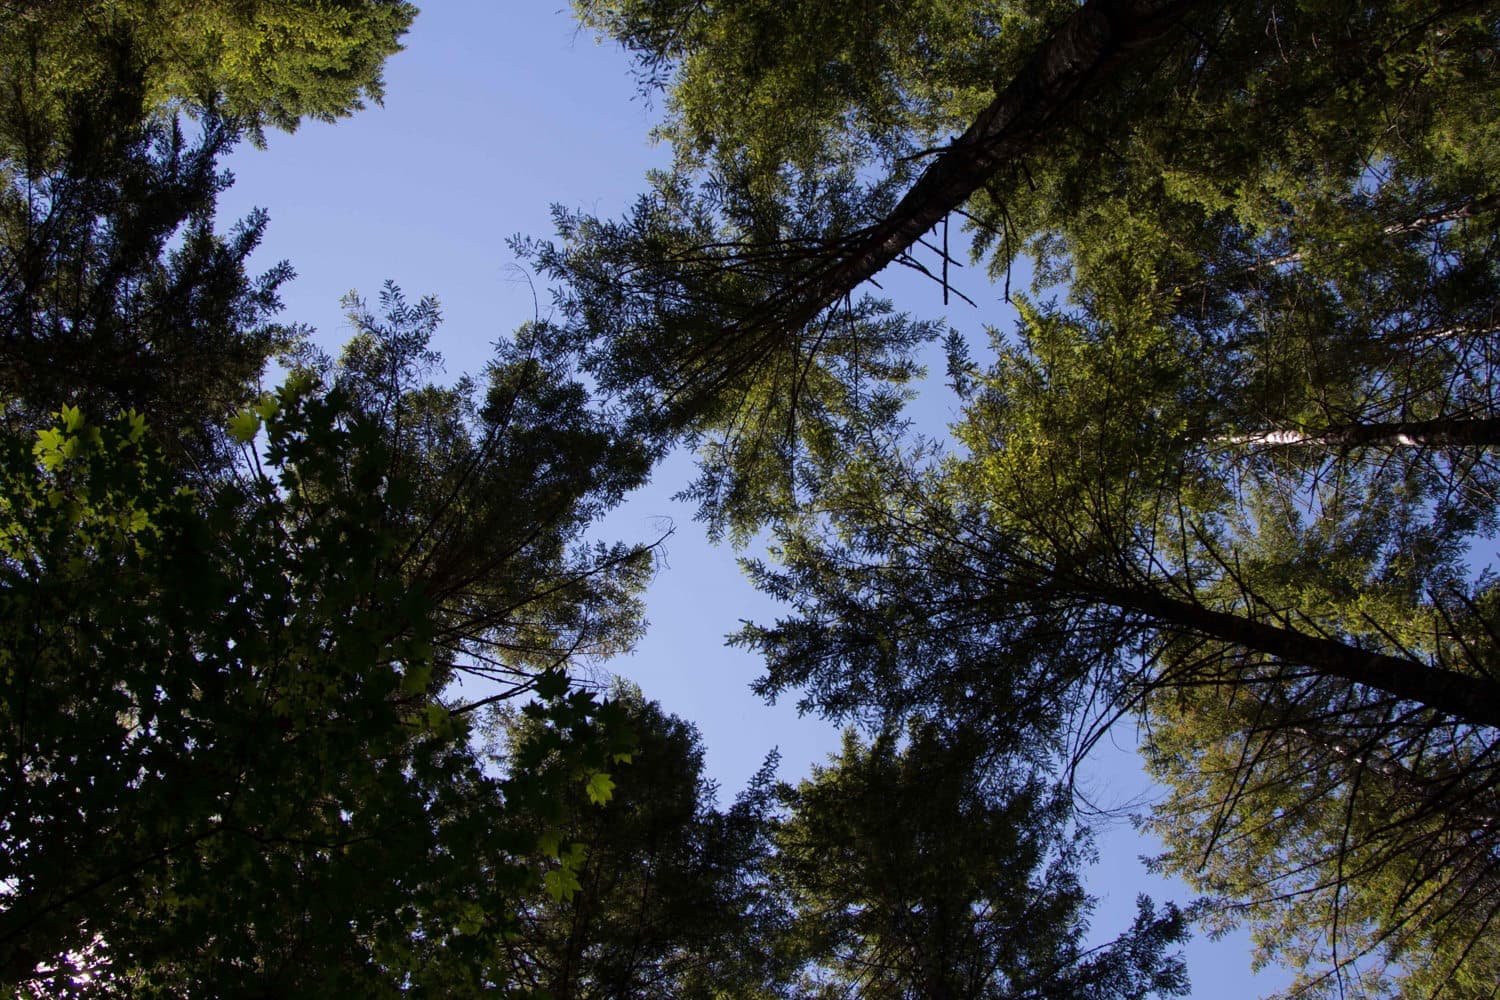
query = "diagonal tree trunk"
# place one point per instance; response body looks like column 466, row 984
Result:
column 1474, row 700
column 1090, row 51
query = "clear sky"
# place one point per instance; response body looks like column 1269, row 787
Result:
column 496, row 111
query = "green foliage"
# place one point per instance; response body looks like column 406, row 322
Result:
column 258, row 64
column 760, row 86
column 232, row 754
column 919, row 868
column 653, row 891
column 1235, row 480
column 178, row 765
column 499, row 484
column 115, row 287
column 647, row 300
column 1091, row 548
column 1334, row 844
column 1232, row 484
column 226, row 705
column 1230, row 153
column 116, row 290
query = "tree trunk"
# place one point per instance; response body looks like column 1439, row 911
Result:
column 1474, row 700
column 1479, row 432
column 1090, row 51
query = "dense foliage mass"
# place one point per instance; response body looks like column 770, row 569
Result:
column 259, row 63
column 232, row 759
column 1231, row 475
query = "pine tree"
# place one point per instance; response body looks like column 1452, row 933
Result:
column 921, row 867
column 1234, row 478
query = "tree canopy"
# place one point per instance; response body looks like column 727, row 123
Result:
column 1229, row 476
column 935, row 869
column 1232, row 472
column 227, row 704
column 669, row 896
column 259, row 63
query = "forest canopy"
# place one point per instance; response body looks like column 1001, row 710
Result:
column 1228, row 482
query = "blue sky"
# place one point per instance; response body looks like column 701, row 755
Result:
column 496, row 111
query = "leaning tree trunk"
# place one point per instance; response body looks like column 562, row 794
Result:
column 1092, row 50
column 1473, row 700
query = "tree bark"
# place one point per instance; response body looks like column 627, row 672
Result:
column 1478, row 432
column 1090, row 51
column 1474, row 700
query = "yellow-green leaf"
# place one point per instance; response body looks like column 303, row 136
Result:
column 243, row 426
column 561, row 884
column 601, row 787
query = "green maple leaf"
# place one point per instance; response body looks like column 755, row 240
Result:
column 561, row 884
column 243, row 426
column 601, row 787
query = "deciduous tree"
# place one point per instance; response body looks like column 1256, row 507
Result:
column 232, row 748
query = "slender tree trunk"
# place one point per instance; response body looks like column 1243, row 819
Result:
column 1474, row 700
column 1480, row 432
column 1458, row 213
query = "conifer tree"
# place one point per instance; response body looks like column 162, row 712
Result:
column 930, row 867
column 1232, row 482
column 257, row 64
column 670, row 895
